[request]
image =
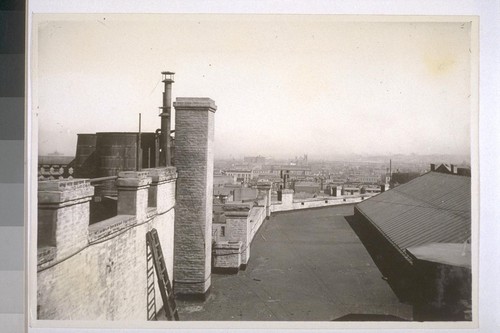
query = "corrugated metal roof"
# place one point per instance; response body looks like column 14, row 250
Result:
column 433, row 208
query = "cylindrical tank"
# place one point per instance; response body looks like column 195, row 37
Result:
column 84, row 162
column 115, row 152
column 148, row 150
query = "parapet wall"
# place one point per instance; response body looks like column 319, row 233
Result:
column 99, row 272
column 243, row 220
column 288, row 203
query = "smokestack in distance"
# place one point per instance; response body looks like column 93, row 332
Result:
column 166, row 112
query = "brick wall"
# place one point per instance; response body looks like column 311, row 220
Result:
column 243, row 220
column 256, row 217
column 288, row 203
column 194, row 154
column 238, row 226
column 102, row 276
column 227, row 256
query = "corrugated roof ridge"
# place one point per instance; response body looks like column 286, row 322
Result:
column 402, row 251
column 395, row 228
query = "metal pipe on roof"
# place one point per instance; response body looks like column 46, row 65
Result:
column 166, row 111
column 139, row 153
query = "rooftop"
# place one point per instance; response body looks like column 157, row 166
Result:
column 301, row 271
column 433, row 208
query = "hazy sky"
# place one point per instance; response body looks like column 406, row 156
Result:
column 284, row 85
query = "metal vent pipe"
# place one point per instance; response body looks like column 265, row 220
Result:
column 166, row 112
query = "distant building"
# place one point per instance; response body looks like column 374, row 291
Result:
column 364, row 179
column 242, row 175
column 223, row 194
column 451, row 169
column 254, row 159
column 245, row 194
column 398, row 178
column 307, row 187
column 293, row 170
column 372, row 189
column 55, row 167
column 300, row 160
column 350, row 190
column 333, row 190
column 221, row 180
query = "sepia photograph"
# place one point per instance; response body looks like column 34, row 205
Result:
column 250, row 168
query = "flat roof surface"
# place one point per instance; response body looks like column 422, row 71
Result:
column 304, row 265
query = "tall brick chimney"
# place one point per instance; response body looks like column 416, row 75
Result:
column 194, row 159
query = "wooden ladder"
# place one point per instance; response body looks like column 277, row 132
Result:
column 161, row 272
column 150, row 280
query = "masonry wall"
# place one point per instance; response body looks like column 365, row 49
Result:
column 256, row 218
column 288, row 203
column 238, row 227
column 194, row 154
column 227, row 257
column 243, row 220
column 103, row 275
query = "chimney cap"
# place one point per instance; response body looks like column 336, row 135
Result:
column 168, row 77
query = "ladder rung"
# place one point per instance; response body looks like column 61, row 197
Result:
column 156, row 252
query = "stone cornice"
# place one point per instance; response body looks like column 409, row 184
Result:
column 132, row 180
column 195, row 103
column 64, row 192
column 162, row 175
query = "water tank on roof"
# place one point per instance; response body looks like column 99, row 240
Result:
column 115, row 152
column 84, row 162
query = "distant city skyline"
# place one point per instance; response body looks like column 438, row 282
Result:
column 285, row 85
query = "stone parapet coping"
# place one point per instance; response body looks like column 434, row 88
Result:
column 237, row 209
column 133, row 174
column 110, row 226
column 163, row 174
column 63, row 185
column 228, row 245
column 132, row 182
column 195, row 103
column 64, row 191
